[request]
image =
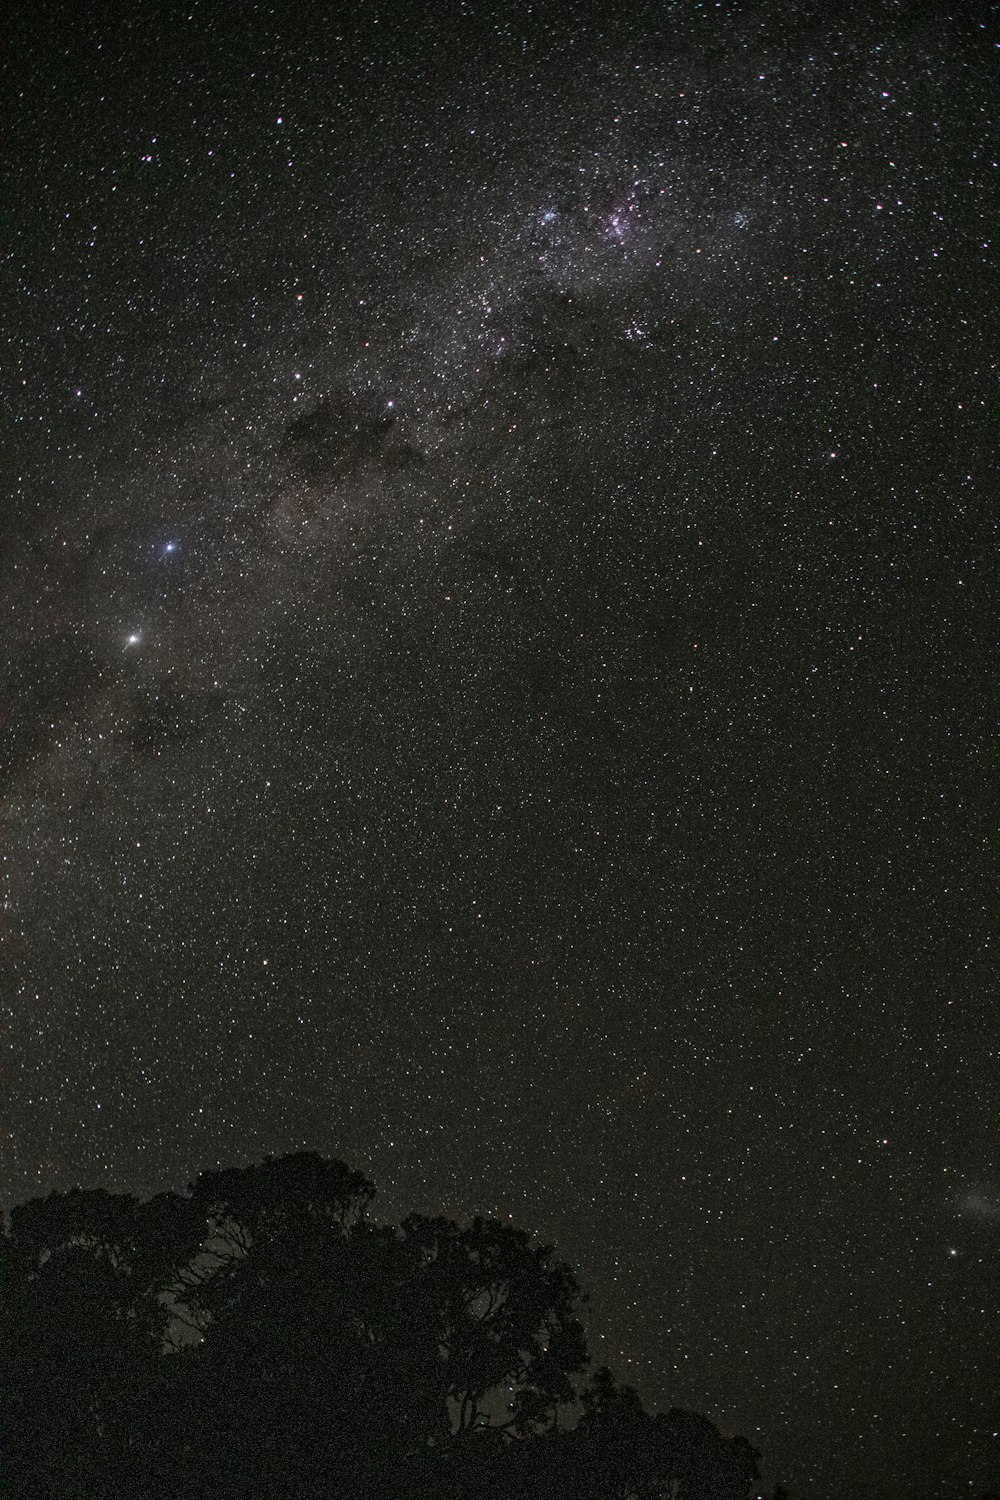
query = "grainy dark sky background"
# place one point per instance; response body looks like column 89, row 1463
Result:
column 495, row 560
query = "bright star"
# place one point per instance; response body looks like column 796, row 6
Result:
column 135, row 639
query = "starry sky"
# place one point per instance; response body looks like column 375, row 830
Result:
column 495, row 564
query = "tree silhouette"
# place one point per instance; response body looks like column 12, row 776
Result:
column 319, row 1328
column 83, row 1323
column 259, row 1335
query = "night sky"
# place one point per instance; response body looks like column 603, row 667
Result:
column 496, row 547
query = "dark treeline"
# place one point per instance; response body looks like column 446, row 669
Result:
column 259, row 1336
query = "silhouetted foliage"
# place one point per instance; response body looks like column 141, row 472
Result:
column 259, row 1336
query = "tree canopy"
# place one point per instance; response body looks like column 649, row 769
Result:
column 259, row 1335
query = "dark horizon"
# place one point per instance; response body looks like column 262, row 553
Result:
column 498, row 576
